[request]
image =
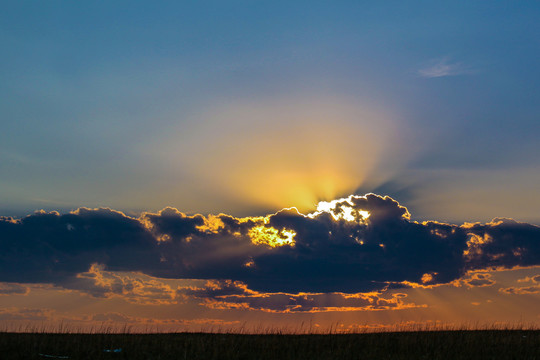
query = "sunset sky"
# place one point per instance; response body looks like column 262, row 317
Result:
column 188, row 165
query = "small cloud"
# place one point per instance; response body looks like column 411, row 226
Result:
column 443, row 67
column 13, row 289
column 9, row 314
column 534, row 279
column 478, row 280
column 521, row 290
column 112, row 316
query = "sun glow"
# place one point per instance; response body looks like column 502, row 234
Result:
column 269, row 164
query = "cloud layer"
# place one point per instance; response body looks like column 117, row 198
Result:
column 357, row 244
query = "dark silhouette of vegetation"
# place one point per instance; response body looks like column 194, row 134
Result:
column 432, row 345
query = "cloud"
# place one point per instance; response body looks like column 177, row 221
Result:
column 478, row 279
column 114, row 317
column 50, row 320
column 443, row 67
column 502, row 243
column 120, row 318
column 235, row 295
column 132, row 287
column 534, row 279
column 359, row 244
column 532, row 288
column 13, row 289
column 535, row 289
column 472, row 278
column 10, row 314
column 47, row 247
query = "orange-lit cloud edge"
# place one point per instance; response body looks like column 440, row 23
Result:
column 137, row 287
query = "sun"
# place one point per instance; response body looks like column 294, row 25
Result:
column 341, row 209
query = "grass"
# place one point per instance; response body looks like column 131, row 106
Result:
column 432, row 345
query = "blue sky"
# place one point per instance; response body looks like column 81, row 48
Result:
column 108, row 103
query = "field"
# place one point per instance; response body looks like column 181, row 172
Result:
column 432, row 345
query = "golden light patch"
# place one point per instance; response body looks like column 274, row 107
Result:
column 427, row 278
column 437, row 232
column 474, row 244
column 212, row 225
column 267, row 235
column 163, row 238
column 250, row 263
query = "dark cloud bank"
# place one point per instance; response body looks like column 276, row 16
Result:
column 328, row 255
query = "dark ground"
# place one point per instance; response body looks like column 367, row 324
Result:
column 432, row 345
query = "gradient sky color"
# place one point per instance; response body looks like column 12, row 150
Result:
column 164, row 111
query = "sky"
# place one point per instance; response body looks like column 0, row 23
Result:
column 230, row 165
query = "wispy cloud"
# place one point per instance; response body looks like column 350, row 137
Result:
column 532, row 288
column 443, row 67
